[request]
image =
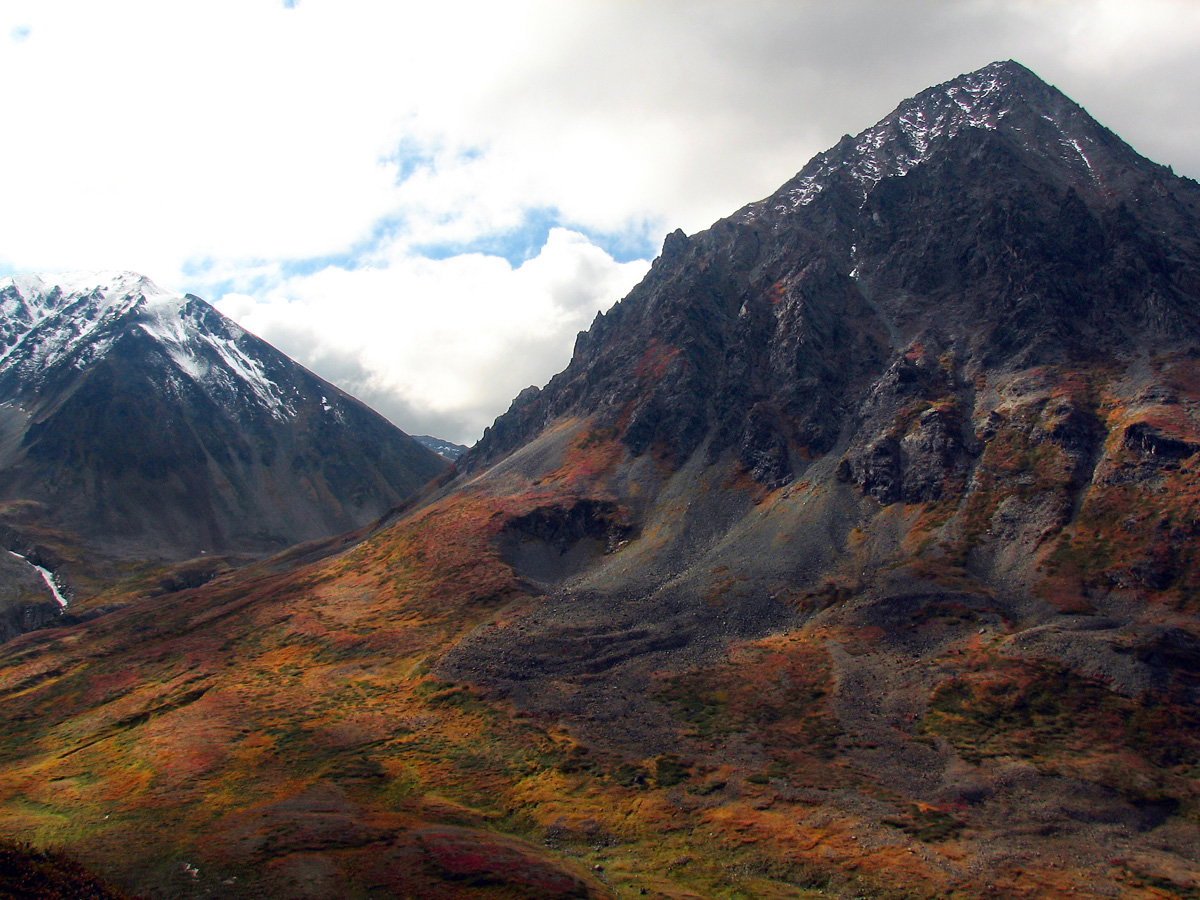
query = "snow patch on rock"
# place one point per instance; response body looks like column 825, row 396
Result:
column 78, row 316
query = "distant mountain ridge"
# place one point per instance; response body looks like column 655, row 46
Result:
column 148, row 423
column 448, row 449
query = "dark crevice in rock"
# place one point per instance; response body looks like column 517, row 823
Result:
column 551, row 543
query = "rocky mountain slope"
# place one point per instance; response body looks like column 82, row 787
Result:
column 853, row 554
column 990, row 218
column 145, row 424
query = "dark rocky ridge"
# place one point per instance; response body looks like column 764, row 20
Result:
column 989, row 217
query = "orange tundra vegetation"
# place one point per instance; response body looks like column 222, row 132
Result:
column 288, row 722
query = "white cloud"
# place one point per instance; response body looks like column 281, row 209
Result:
column 218, row 147
column 441, row 345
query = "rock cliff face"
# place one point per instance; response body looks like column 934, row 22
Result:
column 949, row 351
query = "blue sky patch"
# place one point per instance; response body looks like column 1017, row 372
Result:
column 521, row 244
column 199, row 278
column 410, row 156
column 517, row 245
column 640, row 240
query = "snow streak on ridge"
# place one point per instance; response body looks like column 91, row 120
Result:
column 78, row 316
column 913, row 133
column 904, row 139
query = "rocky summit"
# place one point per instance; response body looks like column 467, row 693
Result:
column 853, row 554
column 989, row 220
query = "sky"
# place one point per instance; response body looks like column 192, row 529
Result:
column 424, row 203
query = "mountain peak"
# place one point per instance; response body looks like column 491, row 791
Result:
column 1003, row 75
column 146, row 420
column 981, row 99
column 110, row 284
column 990, row 210
column 49, row 319
column 1001, row 96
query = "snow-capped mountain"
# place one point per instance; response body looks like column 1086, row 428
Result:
column 145, row 420
column 56, row 323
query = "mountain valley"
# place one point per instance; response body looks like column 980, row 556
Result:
column 853, row 554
